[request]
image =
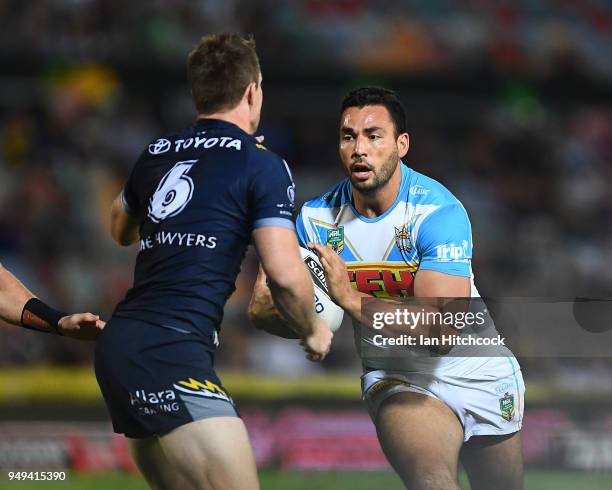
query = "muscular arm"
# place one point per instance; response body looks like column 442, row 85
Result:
column 291, row 288
column 433, row 284
column 124, row 228
column 290, row 285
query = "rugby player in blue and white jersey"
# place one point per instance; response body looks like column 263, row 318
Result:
column 196, row 199
column 389, row 231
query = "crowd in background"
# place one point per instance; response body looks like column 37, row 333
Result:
column 390, row 35
column 86, row 85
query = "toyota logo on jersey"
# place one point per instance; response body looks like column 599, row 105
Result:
column 159, row 146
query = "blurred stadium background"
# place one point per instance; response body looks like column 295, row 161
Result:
column 510, row 106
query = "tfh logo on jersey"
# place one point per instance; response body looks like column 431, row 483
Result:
column 173, row 192
column 382, row 280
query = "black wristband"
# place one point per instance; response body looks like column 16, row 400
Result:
column 37, row 315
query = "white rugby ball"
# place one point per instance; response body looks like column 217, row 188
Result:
column 324, row 306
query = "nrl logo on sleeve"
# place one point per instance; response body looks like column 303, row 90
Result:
column 506, row 405
column 402, row 239
column 335, row 239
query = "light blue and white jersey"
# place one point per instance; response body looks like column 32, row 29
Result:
column 425, row 228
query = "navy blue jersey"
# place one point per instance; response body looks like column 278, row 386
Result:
column 197, row 196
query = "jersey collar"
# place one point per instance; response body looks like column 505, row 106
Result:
column 217, row 124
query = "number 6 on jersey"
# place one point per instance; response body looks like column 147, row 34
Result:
column 173, row 192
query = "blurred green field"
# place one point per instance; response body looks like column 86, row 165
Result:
column 275, row 480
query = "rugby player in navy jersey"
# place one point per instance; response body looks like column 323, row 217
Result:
column 19, row 306
column 195, row 200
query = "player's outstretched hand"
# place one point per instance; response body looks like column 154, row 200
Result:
column 340, row 289
column 317, row 344
column 83, row 326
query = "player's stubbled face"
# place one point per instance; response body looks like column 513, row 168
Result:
column 368, row 147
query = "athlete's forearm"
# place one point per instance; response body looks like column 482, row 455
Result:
column 296, row 303
column 13, row 297
column 351, row 303
column 364, row 309
column 392, row 318
column 289, row 280
column 19, row 306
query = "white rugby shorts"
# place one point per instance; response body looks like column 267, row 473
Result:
column 490, row 401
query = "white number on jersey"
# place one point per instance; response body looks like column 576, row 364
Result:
column 173, row 192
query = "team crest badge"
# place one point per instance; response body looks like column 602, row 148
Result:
column 335, row 239
column 402, row 239
column 506, row 405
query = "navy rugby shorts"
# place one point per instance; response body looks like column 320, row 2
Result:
column 155, row 379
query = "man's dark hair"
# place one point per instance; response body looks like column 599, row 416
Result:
column 220, row 69
column 365, row 96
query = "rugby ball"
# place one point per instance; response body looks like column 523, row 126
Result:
column 324, row 306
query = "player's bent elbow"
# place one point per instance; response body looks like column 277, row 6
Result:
column 123, row 228
column 272, row 324
column 124, row 242
column 122, row 239
column 254, row 315
column 124, row 231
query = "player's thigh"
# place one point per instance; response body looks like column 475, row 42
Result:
column 155, row 467
column 213, row 453
column 422, row 438
column 494, row 462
